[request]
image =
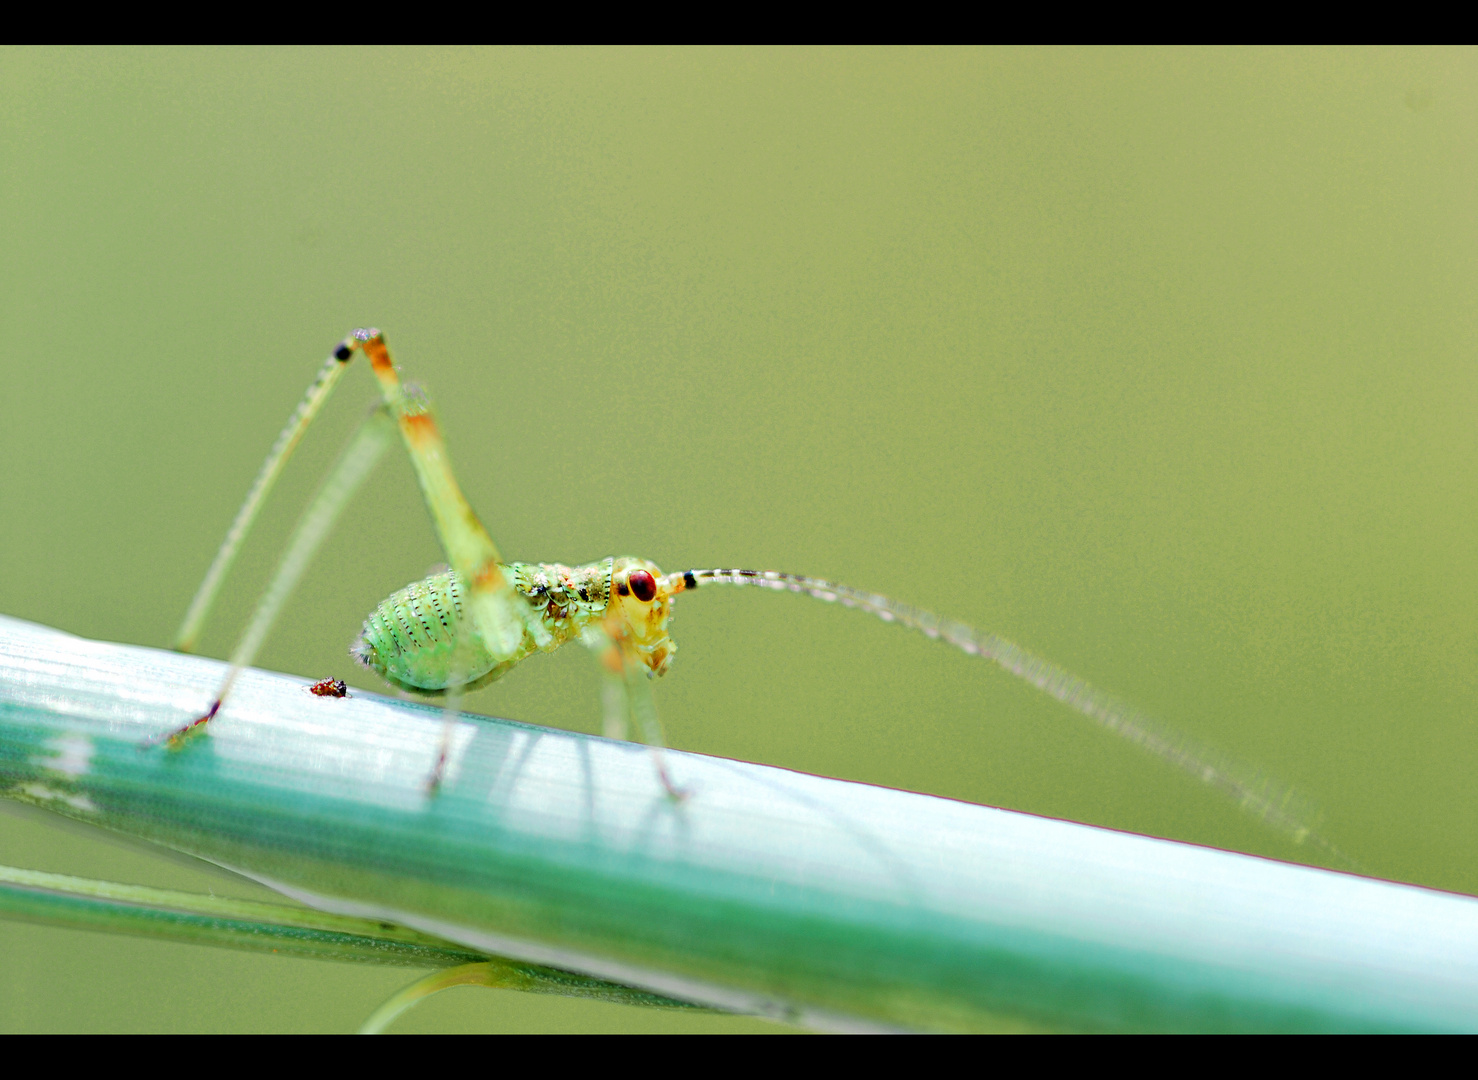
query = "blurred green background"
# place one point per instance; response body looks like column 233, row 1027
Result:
column 1160, row 363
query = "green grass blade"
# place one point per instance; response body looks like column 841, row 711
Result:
column 822, row 902
column 253, row 926
column 85, row 904
column 497, row 974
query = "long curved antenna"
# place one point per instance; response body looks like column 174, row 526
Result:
column 1277, row 805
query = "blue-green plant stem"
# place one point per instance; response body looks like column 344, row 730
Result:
column 817, row 901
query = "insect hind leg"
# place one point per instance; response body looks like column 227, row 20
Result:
column 493, row 611
column 354, row 465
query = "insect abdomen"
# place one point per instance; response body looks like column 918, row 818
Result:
column 410, row 639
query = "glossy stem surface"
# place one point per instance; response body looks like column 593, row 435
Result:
column 817, row 901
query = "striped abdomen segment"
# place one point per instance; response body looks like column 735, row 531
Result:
column 410, row 639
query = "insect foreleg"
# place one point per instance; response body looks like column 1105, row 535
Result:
column 626, row 696
column 615, row 713
column 644, row 711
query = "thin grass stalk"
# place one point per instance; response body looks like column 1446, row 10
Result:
column 77, row 903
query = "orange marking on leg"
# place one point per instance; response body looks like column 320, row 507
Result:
column 177, row 738
column 487, row 578
column 379, row 355
column 420, row 428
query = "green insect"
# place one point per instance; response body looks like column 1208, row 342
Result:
column 472, row 623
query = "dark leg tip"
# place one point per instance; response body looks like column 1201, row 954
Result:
column 438, row 773
column 177, row 738
column 675, row 794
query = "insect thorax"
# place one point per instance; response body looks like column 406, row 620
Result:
column 563, row 596
column 410, row 639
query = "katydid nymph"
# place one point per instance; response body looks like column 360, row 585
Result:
column 472, row 623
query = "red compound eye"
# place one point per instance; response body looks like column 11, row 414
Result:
column 643, row 585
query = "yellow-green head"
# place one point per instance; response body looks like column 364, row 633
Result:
column 641, row 604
